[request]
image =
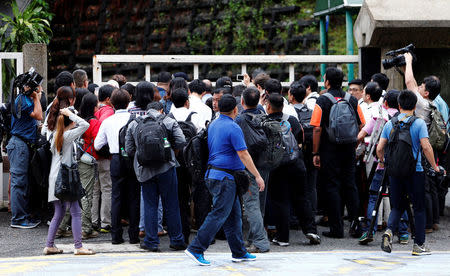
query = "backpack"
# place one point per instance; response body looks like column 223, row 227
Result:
column 400, row 161
column 189, row 131
column 282, row 147
column 254, row 135
column 153, row 146
column 304, row 117
column 437, row 129
column 122, row 135
column 343, row 127
column 196, row 154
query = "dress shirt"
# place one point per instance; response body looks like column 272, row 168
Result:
column 181, row 114
column 203, row 111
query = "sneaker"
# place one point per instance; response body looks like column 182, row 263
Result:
column 403, row 239
column 105, row 229
column 178, row 247
column 313, row 238
column 365, row 238
column 91, row 235
column 275, row 241
column 150, row 249
column 247, row 257
column 52, row 250
column 198, row 258
column 25, row 225
column 253, row 249
column 420, row 250
column 386, row 243
column 83, row 251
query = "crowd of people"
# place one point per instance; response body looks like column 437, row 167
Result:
column 302, row 155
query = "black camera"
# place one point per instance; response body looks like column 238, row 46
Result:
column 31, row 79
column 397, row 59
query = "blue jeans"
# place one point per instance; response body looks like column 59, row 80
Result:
column 18, row 154
column 373, row 195
column 166, row 186
column 414, row 188
column 226, row 212
column 160, row 215
column 257, row 234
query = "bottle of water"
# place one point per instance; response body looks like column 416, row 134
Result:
column 167, row 151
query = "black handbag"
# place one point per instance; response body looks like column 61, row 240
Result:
column 68, row 185
column 241, row 178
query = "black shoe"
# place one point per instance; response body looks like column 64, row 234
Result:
column 117, row 241
column 213, row 241
column 135, row 241
column 151, row 249
column 178, row 247
column 333, row 235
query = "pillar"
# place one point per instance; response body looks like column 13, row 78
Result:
column 349, row 35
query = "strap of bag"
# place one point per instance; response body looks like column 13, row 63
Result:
column 188, row 119
column 347, row 97
column 330, row 97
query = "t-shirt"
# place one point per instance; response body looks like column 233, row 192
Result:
column 418, row 131
column 423, row 109
column 25, row 127
column 225, row 138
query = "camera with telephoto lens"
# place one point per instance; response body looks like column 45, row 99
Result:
column 32, row 79
column 396, row 57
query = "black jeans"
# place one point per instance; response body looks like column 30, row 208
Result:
column 202, row 202
column 124, row 186
column 184, row 196
column 288, row 184
column 338, row 171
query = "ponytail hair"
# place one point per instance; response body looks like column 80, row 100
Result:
column 59, row 135
column 63, row 96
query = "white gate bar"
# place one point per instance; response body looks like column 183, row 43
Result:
column 195, row 71
column 291, row 73
column 147, row 72
column 226, row 59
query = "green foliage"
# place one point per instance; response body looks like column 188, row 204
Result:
column 30, row 26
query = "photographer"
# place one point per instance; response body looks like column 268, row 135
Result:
column 24, row 120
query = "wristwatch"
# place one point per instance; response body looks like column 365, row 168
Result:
column 315, row 153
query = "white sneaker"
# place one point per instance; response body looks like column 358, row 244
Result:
column 280, row 243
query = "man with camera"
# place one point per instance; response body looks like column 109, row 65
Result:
column 27, row 112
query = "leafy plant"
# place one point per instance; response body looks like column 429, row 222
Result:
column 30, row 26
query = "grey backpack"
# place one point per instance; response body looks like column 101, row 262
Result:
column 343, row 126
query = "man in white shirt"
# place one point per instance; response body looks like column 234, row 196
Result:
column 311, row 85
column 121, row 176
column 204, row 113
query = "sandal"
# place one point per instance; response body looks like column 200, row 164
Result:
column 83, row 251
column 52, row 250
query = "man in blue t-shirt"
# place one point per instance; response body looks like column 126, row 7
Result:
column 413, row 186
column 227, row 151
column 28, row 111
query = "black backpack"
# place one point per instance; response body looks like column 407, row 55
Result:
column 304, row 117
column 122, row 135
column 196, row 154
column 254, row 135
column 153, row 146
column 400, row 161
column 189, row 131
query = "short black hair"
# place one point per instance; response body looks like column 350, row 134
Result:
column 224, row 82
column 79, row 77
column 164, row 77
column 131, row 89
column 92, row 86
column 251, row 96
column 64, row 78
column 224, row 90
column 374, row 90
column 276, row 102
column 145, row 92
column 80, row 93
column 227, row 103
column 87, row 106
column 155, row 105
column 334, row 76
column 120, row 98
column 261, row 79
column 105, row 92
column 310, row 81
column 181, row 75
column 407, row 100
column 298, row 90
column 179, row 97
column 197, row 86
column 381, row 79
column 273, row 86
column 238, row 89
column 433, row 86
column 356, row 81
column 391, row 98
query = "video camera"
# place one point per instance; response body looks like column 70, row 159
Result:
column 31, row 79
column 396, row 58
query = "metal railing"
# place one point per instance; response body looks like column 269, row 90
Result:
column 18, row 56
column 196, row 60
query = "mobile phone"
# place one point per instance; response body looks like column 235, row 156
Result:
column 239, row 77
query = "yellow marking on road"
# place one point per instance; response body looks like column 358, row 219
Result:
column 129, row 267
column 237, row 274
column 253, row 269
column 363, row 262
column 382, row 267
column 20, row 267
column 226, row 268
column 345, row 269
